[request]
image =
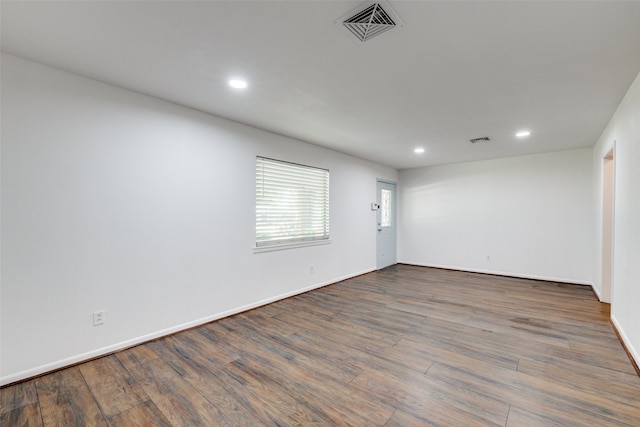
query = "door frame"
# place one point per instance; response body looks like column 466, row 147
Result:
column 394, row 219
column 608, row 180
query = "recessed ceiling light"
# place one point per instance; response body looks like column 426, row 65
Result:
column 238, row 84
column 418, row 150
column 523, row 133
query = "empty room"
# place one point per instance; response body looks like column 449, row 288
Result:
column 247, row 213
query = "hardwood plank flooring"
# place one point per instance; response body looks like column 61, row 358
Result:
column 405, row 346
column 26, row 415
column 112, row 385
column 144, row 415
column 65, row 400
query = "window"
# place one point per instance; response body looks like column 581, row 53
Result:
column 292, row 203
column 385, row 208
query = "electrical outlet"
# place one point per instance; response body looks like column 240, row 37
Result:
column 98, row 317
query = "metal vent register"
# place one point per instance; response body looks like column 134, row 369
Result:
column 370, row 22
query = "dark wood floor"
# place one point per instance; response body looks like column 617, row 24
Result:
column 406, row 346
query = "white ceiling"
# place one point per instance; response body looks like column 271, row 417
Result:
column 455, row 71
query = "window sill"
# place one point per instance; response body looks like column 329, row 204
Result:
column 285, row 246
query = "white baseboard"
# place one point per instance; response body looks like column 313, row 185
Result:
column 504, row 273
column 597, row 292
column 59, row 364
column 626, row 341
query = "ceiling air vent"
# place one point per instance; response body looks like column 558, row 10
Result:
column 371, row 21
column 482, row 139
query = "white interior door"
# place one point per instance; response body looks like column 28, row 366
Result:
column 386, row 222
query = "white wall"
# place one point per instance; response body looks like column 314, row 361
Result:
column 623, row 132
column 530, row 215
column 114, row 200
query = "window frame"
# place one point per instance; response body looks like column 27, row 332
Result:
column 316, row 210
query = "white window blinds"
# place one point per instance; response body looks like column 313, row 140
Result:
column 292, row 203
